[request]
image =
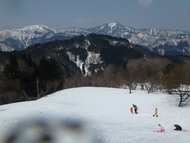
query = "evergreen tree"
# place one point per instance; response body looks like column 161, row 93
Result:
column 49, row 75
column 11, row 68
column 28, row 73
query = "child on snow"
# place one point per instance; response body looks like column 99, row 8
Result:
column 131, row 110
column 159, row 129
column 135, row 108
column 177, row 127
column 155, row 112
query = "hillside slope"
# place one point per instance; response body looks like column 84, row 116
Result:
column 105, row 110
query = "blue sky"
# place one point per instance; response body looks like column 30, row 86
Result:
column 139, row 14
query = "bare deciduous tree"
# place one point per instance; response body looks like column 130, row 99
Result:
column 177, row 82
column 183, row 94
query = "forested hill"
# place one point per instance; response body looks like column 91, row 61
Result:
column 89, row 54
column 92, row 60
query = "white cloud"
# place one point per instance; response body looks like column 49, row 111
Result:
column 145, row 2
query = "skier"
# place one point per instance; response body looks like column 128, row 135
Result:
column 135, row 108
column 155, row 112
column 159, row 129
column 177, row 127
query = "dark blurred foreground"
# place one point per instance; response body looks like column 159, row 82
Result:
column 51, row 131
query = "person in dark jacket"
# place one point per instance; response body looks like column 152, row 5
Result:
column 177, row 127
column 135, row 108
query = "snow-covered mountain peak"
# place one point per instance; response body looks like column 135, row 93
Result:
column 39, row 28
column 112, row 24
column 19, row 39
column 113, row 29
column 31, row 28
column 26, row 31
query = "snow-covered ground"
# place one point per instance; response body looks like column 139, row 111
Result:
column 106, row 112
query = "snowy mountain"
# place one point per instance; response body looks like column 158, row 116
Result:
column 95, row 115
column 19, row 39
column 114, row 29
column 163, row 42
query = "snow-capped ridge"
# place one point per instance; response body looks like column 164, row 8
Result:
column 31, row 28
column 112, row 24
column 110, row 27
column 171, row 41
column 38, row 27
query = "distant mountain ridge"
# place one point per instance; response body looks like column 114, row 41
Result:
column 162, row 42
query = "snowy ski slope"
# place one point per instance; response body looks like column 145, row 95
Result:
column 106, row 112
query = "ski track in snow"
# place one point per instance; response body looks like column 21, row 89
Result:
column 106, row 110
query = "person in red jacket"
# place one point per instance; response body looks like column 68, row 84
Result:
column 131, row 110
